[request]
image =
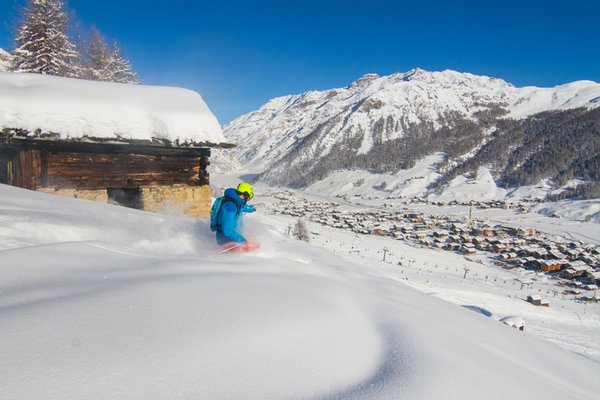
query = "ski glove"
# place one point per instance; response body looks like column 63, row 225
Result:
column 248, row 209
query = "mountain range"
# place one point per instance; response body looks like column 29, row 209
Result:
column 387, row 124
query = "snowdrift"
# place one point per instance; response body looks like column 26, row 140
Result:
column 100, row 301
column 75, row 108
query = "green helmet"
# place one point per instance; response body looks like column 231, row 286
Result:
column 246, row 189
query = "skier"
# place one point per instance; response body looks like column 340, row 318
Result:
column 229, row 218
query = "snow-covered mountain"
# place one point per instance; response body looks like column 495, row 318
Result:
column 317, row 129
column 392, row 102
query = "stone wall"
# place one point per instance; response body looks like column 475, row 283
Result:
column 94, row 195
column 192, row 201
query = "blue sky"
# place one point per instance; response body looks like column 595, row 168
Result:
column 239, row 54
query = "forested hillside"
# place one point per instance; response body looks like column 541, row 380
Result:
column 561, row 145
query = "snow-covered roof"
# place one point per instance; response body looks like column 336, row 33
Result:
column 75, row 108
column 514, row 321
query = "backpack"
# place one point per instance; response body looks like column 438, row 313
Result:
column 214, row 213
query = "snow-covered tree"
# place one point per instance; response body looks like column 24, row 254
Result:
column 121, row 68
column 98, row 58
column 104, row 64
column 300, row 232
column 43, row 45
column 5, row 60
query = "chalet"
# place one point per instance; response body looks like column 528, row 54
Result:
column 440, row 234
column 478, row 240
column 525, row 232
column 380, row 232
column 452, row 246
column 420, row 227
column 537, row 300
column 575, row 271
column 485, row 231
column 454, row 239
column 438, row 244
column 550, row 265
column 529, row 262
column 143, row 176
column 459, row 228
column 140, row 146
column 468, row 248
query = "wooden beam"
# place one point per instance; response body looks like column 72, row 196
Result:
column 61, row 146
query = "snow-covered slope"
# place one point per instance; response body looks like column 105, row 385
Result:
column 384, row 107
column 222, row 161
column 75, row 108
column 100, row 301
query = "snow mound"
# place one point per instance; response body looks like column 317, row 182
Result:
column 75, row 108
column 100, row 301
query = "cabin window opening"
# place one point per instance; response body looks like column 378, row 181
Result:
column 126, row 197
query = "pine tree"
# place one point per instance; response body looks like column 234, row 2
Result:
column 300, row 232
column 121, row 68
column 103, row 64
column 42, row 43
column 98, row 59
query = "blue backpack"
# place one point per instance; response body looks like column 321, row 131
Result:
column 214, row 213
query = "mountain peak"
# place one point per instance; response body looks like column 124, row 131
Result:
column 363, row 80
column 415, row 74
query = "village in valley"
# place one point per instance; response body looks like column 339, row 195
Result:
column 572, row 265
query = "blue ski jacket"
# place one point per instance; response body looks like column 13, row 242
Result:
column 230, row 218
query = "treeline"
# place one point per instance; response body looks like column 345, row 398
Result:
column 44, row 46
column 561, row 145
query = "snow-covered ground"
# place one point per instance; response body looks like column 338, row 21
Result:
column 99, row 301
column 75, row 108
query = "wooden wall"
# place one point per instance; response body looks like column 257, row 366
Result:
column 22, row 169
column 90, row 166
column 91, row 171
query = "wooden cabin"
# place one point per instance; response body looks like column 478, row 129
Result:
column 537, row 300
column 145, row 176
column 550, row 265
